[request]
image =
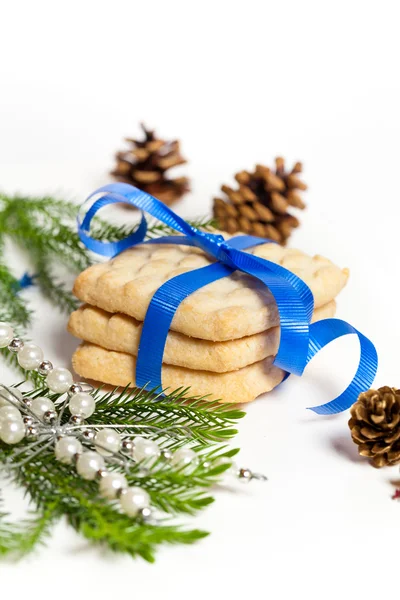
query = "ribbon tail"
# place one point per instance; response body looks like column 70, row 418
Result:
column 324, row 332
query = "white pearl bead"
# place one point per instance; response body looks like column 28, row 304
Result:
column 30, row 357
column 88, row 464
column 107, row 442
column 10, row 393
column 10, row 413
column 185, row 457
column 145, row 449
column 41, row 405
column 82, row 405
column 59, row 380
column 66, row 448
column 133, row 499
column 6, row 334
column 111, row 484
column 12, row 431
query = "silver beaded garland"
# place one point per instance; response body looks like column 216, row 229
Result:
column 22, row 416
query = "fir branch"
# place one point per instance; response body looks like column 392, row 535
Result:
column 54, row 290
column 13, row 307
column 112, row 233
column 21, row 538
column 207, row 421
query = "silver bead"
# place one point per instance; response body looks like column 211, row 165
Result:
column 45, row 367
column 31, row 432
column 88, row 435
column 101, row 473
column 126, row 446
column 167, row 454
column 75, row 388
column 245, row 475
column 76, row 420
column 15, row 345
column 28, row 421
column 27, row 402
column 50, row 416
column 145, row 513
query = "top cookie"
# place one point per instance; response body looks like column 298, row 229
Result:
column 230, row 308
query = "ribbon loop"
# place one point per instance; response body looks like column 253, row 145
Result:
column 299, row 341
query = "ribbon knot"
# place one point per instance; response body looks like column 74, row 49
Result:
column 214, row 245
column 299, row 342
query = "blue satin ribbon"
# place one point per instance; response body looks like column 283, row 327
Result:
column 299, row 340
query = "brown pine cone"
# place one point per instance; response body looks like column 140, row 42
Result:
column 146, row 164
column 259, row 205
column 375, row 425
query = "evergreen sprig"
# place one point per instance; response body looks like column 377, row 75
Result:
column 57, row 491
column 45, row 228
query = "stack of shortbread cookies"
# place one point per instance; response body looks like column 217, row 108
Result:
column 223, row 338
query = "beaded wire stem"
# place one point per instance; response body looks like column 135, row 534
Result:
column 91, row 448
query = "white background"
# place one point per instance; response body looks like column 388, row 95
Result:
column 238, row 83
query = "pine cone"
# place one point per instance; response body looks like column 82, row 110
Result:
column 258, row 207
column 375, row 425
column 146, row 164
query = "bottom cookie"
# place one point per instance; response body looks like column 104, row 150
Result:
column 118, row 368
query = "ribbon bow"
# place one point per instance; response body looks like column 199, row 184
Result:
column 299, row 342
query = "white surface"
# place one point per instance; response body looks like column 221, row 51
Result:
column 238, row 83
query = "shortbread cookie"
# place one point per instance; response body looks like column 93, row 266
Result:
column 231, row 308
column 118, row 368
column 122, row 334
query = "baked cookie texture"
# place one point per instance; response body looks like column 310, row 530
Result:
column 118, row 369
column 122, row 333
column 234, row 307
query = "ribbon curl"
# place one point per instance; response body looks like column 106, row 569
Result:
column 299, row 341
